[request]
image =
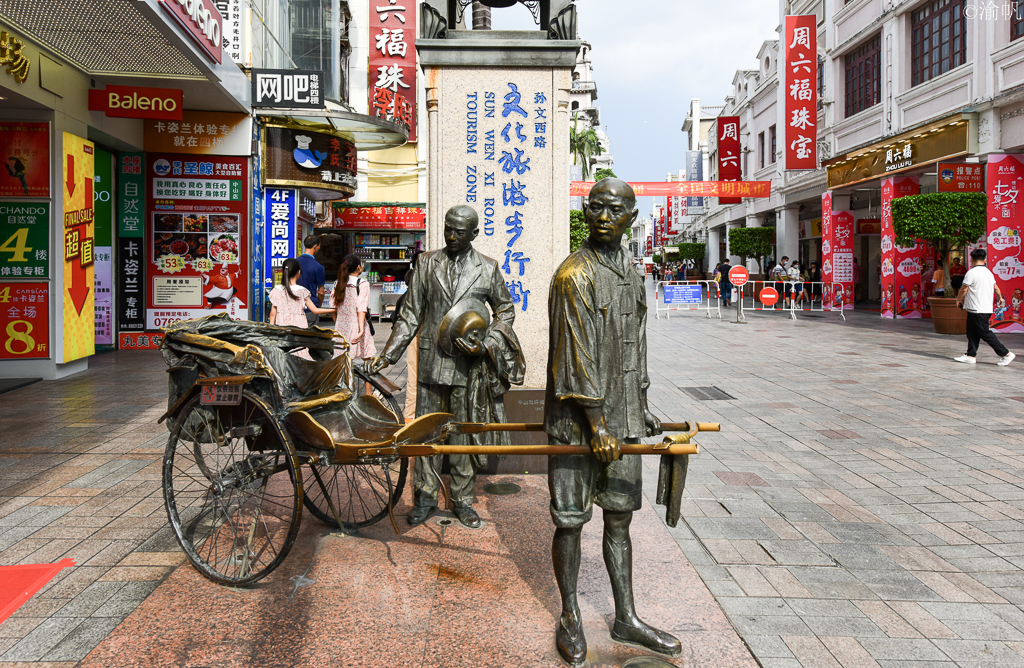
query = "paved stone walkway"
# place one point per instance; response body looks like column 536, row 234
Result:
column 862, row 506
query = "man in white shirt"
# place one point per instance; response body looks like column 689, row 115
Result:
column 977, row 295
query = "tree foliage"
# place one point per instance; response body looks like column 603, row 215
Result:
column 754, row 242
column 604, row 173
column 945, row 220
column 691, row 252
column 577, row 229
column 583, row 145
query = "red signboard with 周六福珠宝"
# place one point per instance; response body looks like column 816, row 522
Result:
column 801, row 71
column 392, row 70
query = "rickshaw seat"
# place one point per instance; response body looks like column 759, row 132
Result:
column 362, row 420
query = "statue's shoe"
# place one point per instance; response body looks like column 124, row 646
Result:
column 419, row 514
column 647, row 637
column 468, row 516
column 570, row 641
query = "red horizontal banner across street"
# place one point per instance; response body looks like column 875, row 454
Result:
column 685, row 188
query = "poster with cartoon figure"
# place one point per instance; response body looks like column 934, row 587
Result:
column 1004, row 175
column 837, row 253
column 901, row 265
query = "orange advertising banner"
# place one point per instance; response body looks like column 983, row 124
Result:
column 685, row 188
column 78, row 245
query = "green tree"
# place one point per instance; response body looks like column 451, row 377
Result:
column 944, row 220
column 692, row 253
column 755, row 242
column 583, row 145
column 604, row 173
column 578, row 231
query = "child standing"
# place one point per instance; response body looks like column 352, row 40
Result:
column 289, row 301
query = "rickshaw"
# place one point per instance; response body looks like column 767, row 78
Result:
column 258, row 433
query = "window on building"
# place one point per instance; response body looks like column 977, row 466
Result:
column 938, row 39
column 1017, row 23
column 760, row 150
column 821, row 81
column 771, row 145
column 863, row 76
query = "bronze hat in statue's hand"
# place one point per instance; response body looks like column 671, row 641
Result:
column 468, row 319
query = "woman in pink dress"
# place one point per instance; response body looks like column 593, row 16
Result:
column 351, row 299
column 289, row 301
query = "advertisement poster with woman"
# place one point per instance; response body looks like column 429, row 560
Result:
column 197, row 254
column 903, row 295
column 1005, row 220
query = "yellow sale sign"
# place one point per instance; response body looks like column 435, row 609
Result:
column 78, row 250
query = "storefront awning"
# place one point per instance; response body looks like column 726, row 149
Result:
column 368, row 133
column 944, row 139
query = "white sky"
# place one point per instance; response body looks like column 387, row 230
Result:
column 651, row 58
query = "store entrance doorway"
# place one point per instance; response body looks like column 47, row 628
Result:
column 869, row 255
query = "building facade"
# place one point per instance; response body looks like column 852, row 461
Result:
column 888, row 74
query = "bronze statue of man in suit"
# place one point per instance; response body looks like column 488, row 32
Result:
column 597, row 396
column 465, row 372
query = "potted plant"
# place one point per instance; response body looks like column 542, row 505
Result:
column 946, row 221
column 752, row 242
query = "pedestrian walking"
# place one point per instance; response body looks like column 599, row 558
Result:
column 779, row 275
column 351, row 301
column 957, row 271
column 797, row 277
column 290, row 299
column 977, row 295
column 724, row 285
column 312, row 276
column 939, row 279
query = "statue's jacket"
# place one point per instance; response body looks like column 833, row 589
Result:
column 597, row 355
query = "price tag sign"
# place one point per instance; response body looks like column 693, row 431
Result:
column 24, row 320
column 221, row 395
column 171, row 264
column 24, row 239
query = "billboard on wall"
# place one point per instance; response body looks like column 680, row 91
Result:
column 960, row 178
column 24, row 321
column 1004, row 182
column 324, row 164
column 392, row 66
column 78, row 235
column 903, row 294
column 729, row 154
column 25, row 151
column 412, row 218
column 197, row 238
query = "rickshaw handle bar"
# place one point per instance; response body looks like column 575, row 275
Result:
column 479, row 427
column 417, row 450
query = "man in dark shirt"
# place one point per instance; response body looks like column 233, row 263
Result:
column 312, row 277
column 597, row 395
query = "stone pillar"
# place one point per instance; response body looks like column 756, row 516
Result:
column 787, row 231
column 753, row 221
column 733, row 259
column 498, row 122
column 714, row 240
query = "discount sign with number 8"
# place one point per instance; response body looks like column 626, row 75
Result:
column 24, row 320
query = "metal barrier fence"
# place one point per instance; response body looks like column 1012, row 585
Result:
column 819, row 297
column 683, row 296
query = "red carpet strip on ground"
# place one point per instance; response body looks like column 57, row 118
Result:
column 20, row 583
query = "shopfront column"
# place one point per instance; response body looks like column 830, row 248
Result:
column 753, row 221
column 714, row 240
column 733, row 259
column 787, row 231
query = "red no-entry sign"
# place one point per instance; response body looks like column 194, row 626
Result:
column 739, row 276
column 768, row 296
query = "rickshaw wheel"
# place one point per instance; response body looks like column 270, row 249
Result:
column 360, row 492
column 233, row 489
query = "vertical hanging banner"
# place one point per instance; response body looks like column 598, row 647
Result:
column 826, row 249
column 801, row 70
column 130, row 315
column 281, row 209
column 392, row 69
column 198, row 248
column 1005, row 223
column 695, row 172
column 79, row 246
column 259, row 257
column 903, row 295
column 729, row 154
column 837, row 258
column 102, row 202
column 670, row 221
